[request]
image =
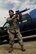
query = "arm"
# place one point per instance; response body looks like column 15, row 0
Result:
column 9, row 19
column 19, row 17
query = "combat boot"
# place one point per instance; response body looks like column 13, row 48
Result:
column 10, row 49
column 22, row 48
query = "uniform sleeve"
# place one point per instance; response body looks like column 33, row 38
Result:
column 9, row 19
column 18, row 18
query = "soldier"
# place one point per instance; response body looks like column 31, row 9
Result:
column 14, row 28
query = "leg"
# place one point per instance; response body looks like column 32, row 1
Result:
column 19, row 36
column 11, row 42
column 11, row 37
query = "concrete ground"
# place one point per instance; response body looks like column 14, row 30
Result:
column 29, row 46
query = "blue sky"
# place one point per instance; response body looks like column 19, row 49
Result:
column 5, row 5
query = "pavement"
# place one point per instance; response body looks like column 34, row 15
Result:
column 29, row 46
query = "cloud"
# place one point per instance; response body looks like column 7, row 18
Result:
column 8, row 5
column 17, row 4
column 5, row 5
column 28, row 4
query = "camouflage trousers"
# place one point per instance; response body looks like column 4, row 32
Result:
column 12, row 35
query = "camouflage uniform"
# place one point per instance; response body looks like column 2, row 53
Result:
column 14, row 28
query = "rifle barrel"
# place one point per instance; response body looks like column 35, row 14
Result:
column 22, row 10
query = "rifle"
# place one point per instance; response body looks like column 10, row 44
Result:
column 5, row 23
column 22, row 11
column 17, row 12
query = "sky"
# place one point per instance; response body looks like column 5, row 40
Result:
column 6, row 5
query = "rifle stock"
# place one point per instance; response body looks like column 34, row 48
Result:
column 5, row 23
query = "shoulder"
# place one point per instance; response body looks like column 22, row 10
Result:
column 14, row 16
column 8, row 18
